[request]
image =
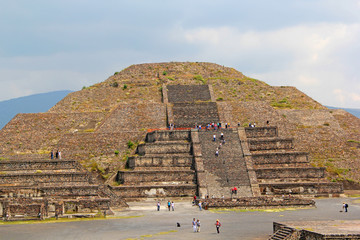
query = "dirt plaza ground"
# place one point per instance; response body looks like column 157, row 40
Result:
column 142, row 221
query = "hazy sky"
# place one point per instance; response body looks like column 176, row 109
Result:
column 314, row 45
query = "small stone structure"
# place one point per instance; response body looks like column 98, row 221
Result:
column 317, row 230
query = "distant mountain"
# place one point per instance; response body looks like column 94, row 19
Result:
column 30, row 104
column 353, row 111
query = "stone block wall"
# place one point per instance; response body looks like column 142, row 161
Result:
column 168, row 136
column 284, row 173
column 254, row 132
column 129, row 192
column 130, row 177
column 270, row 144
column 160, row 162
column 164, row 148
column 280, row 158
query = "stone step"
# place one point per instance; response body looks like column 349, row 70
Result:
column 37, row 178
column 260, row 158
column 178, row 147
column 146, row 191
column 284, row 173
column 259, row 144
column 294, row 179
column 43, row 164
column 49, row 191
column 301, row 188
column 156, row 176
column 161, row 161
column 162, row 168
column 261, row 132
column 282, row 165
column 167, row 135
column 30, row 171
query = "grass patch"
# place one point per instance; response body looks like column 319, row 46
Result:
column 53, row 220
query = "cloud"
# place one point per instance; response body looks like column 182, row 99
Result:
column 317, row 58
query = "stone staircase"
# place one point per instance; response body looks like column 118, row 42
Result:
column 197, row 113
column 281, row 170
column 50, row 183
column 163, row 167
column 227, row 170
column 282, row 233
column 190, row 105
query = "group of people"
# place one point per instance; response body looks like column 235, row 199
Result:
column 222, row 141
column 213, row 126
column 57, row 154
column 170, row 205
column 196, row 225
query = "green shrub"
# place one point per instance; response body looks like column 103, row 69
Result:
column 116, row 152
column 115, row 84
column 116, row 73
column 219, row 99
column 130, row 144
column 199, row 78
column 164, row 73
column 124, row 87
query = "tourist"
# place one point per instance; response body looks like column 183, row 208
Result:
column 238, row 124
column 218, row 225
column 173, row 205
column 200, row 206
column 226, row 125
column 158, row 206
column 194, row 200
column 345, row 207
column 57, row 154
column 235, row 190
column 216, row 153
column 52, row 154
column 194, row 225
column 214, row 137
column 220, row 145
column 169, row 205
column 198, row 225
column 267, row 123
column 222, row 136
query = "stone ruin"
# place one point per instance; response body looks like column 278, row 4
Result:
column 167, row 163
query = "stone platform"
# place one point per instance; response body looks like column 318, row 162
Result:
column 309, row 230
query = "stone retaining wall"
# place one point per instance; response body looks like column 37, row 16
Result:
column 14, row 165
column 164, row 148
column 180, row 190
column 280, row 158
column 254, row 132
column 257, row 202
column 158, row 161
column 168, row 135
column 32, row 178
column 270, row 144
column 130, row 177
column 274, row 173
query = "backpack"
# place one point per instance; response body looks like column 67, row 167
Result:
column 346, row 205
